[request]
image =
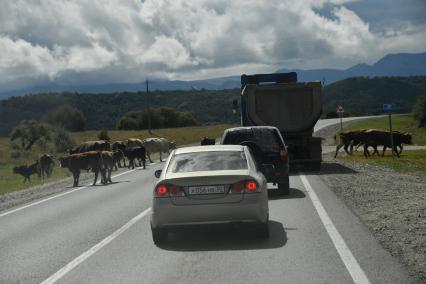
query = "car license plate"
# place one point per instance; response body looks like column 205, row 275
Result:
column 207, row 189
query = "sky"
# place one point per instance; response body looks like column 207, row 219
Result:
column 117, row 41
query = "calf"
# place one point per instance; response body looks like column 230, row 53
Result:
column 207, row 141
column 27, row 171
column 84, row 161
column 135, row 153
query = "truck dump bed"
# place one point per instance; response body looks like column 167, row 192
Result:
column 291, row 107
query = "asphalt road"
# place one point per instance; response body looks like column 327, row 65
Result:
column 101, row 234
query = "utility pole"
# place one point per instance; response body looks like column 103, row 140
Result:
column 149, row 107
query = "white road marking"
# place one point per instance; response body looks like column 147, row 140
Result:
column 74, row 263
column 352, row 265
column 60, row 194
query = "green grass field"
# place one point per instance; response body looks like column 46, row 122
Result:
column 402, row 123
column 10, row 182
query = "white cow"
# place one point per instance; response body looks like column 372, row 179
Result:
column 160, row 145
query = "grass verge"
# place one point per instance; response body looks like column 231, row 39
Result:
column 413, row 161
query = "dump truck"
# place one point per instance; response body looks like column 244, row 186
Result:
column 293, row 107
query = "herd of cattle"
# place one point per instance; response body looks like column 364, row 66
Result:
column 373, row 138
column 100, row 157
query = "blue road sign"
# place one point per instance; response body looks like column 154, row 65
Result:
column 388, row 106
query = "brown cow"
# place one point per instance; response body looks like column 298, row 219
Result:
column 374, row 137
column 347, row 139
column 108, row 160
column 100, row 145
column 84, row 161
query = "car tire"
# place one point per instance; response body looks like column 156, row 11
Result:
column 159, row 235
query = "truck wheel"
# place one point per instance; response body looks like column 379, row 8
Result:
column 159, row 235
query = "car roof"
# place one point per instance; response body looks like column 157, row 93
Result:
column 209, row 148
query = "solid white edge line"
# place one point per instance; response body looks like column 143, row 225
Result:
column 352, row 265
column 82, row 257
column 61, row 194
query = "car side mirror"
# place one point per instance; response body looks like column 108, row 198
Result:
column 157, row 173
column 268, row 169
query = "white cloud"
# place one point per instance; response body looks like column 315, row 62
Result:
column 126, row 40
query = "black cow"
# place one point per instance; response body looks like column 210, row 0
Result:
column 117, row 157
column 208, row 141
column 133, row 153
column 27, row 171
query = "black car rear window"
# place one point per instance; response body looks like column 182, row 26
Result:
column 267, row 139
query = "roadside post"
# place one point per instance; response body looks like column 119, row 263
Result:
column 389, row 107
column 340, row 112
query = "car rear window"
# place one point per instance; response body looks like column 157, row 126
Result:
column 207, row 161
column 266, row 138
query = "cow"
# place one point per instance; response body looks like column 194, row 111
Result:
column 99, row 145
column 27, row 171
column 374, row 137
column 160, row 145
column 46, row 165
column 83, row 161
column 207, row 141
column 108, row 163
column 134, row 142
column 347, row 139
column 118, row 145
column 133, row 153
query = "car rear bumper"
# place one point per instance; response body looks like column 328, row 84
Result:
column 253, row 208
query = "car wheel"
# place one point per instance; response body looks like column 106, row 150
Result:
column 159, row 235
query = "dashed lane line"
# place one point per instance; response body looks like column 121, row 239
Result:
column 82, row 257
column 352, row 265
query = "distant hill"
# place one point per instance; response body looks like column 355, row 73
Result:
column 401, row 64
column 366, row 96
column 358, row 96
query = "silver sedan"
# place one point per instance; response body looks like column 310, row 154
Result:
column 207, row 185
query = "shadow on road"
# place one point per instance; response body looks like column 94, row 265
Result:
column 294, row 193
column 225, row 237
column 328, row 168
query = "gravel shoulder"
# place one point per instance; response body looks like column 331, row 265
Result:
column 391, row 204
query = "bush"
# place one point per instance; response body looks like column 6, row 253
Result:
column 419, row 111
column 160, row 118
column 63, row 141
column 103, row 135
column 66, row 117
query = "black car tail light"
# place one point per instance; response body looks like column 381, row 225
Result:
column 283, row 153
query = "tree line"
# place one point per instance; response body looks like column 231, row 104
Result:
column 128, row 110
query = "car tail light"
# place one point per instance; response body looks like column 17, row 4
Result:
column 251, row 186
column 245, row 186
column 283, row 153
column 238, row 187
column 161, row 191
column 176, row 191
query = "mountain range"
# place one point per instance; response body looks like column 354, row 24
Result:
column 400, row 64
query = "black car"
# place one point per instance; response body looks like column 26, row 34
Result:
column 269, row 149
